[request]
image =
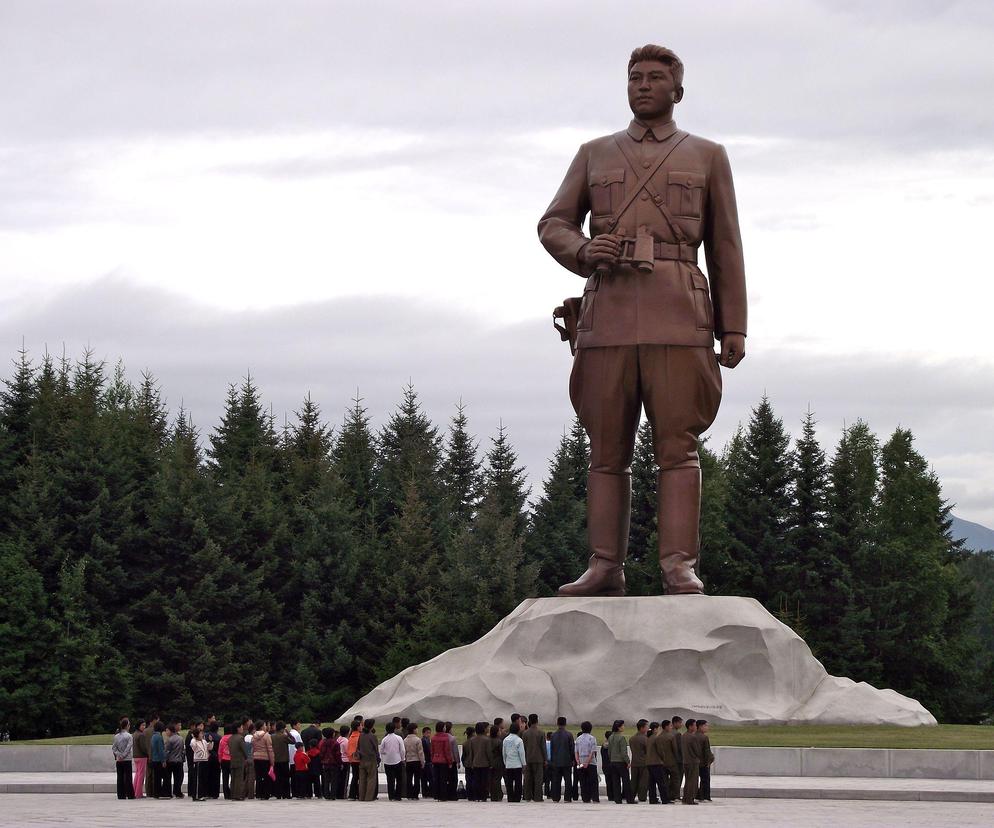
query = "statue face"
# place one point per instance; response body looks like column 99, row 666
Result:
column 652, row 92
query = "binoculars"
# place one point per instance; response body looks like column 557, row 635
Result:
column 637, row 252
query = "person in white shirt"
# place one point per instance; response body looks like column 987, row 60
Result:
column 586, row 763
column 294, row 733
column 393, row 754
column 201, row 754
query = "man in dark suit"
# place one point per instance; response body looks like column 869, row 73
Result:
column 639, row 746
column 649, row 316
column 534, row 739
column 562, row 748
column 693, row 758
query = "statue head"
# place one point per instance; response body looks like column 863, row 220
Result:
column 655, row 82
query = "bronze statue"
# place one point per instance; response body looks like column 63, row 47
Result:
column 648, row 317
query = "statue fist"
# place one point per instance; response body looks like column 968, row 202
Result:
column 732, row 349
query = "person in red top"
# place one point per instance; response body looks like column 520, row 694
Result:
column 301, row 780
column 330, row 751
column 224, row 757
column 313, row 777
column 441, row 761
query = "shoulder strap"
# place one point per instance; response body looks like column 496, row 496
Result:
column 645, row 183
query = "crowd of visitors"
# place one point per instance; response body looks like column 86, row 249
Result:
column 661, row 763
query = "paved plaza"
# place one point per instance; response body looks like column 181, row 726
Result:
column 105, row 811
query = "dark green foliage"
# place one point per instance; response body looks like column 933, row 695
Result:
column 286, row 571
column 557, row 541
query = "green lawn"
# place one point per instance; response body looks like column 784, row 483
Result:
column 945, row 737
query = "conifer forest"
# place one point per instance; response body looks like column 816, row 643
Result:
column 269, row 569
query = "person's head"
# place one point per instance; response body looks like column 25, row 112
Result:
column 702, row 726
column 440, row 727
column 470, row 731
column 677, row 722
column 196, row 730
column 586, row 727
column 481, row 728
column 494, row 731
column 653, row 727
column 142, row 724
column 655, row 82
column 642, row 725
column 344, row 731
column 561, row 722
column 391, row 727
column 666, row 725
column 425, row 731
column 412, row 729
column 295, row 724
column 618, row 726
column 498, row 723
column 239, row 728
column 532, row 719
column 152, row 719
column 607, row 734
column 159, row 727
column 448, row 727
column 368, row 725
column 280, row 727
column 211, row 719
column 124, row 724
column 691, row 725
column 354, row 726
column 213, row 726
column 515, row 727
column 312, row 743
column 247, row 724
column 396, row 722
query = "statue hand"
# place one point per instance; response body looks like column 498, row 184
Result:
column 603, row 248
column 732, row 349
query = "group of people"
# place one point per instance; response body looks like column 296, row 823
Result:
column 661, row 763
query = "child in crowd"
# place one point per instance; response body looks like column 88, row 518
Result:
column 301, row 768
column 313, row 769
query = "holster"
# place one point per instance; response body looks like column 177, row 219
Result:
column 569, row 312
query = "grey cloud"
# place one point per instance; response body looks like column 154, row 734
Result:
column 517, row 373
column 904, row 75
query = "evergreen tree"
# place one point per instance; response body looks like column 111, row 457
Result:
column 354, row 455
column 504, row 480
column 578, row 459
column 557, row 537
column 27, row 670
column 642, row 570
column 759, row 500
column 461, row 471
column 812, row 580
column 715, row 565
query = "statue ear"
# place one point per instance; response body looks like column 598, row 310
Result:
column 678, row 94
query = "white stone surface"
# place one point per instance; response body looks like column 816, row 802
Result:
column 105, row 811
column 716, row 657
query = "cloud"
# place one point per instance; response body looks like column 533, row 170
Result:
column 908, row 75
column 512, row 373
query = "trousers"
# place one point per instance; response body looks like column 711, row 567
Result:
column 690, row 779
column 125, row 783
column 534, row 771
column 512, row 779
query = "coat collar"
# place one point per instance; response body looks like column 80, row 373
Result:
column 637, row 130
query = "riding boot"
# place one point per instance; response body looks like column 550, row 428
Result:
column 679, row 493
column 609, row 511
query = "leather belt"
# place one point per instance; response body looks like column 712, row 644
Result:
column 662, row 250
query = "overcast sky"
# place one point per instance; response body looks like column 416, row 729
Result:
column 338, row 194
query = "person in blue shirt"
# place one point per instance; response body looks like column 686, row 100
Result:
column 157, row 759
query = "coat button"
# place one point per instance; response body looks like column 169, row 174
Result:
column 645, row 196
column 646, row 164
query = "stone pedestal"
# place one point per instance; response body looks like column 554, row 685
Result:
column 724, row 659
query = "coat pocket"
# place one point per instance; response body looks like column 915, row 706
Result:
column 586, row 318
column 685, row 193
column 703, row 309
column 607, row 188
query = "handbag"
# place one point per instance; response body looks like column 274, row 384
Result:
column 272, row 774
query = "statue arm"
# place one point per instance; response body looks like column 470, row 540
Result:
column 561, row 228
column 723, row 248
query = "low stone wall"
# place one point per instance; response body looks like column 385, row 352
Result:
column 855, row 762
column 730, row 761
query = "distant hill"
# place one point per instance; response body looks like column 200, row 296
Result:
column 977, row 537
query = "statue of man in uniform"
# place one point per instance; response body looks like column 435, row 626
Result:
column 649, row 315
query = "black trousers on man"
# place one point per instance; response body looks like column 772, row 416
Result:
column 162, row 779
column 125, row 782
column 395, row 780
column 282, row 780
column 704, row 784
column 263, row 784
column 174, row 771
column 412, row 780
column 512, row 779
column 225, row 778
column 659, row 785
column 622, row 783
column 559, row 776
column 589, row 784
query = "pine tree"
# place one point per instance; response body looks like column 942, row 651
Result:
column 504, row 480
column 27, row 669
column 461, row 471
column 354, row 455
column 714, row 562
column 642, row 569
column 578, row 459
column 759, row 500
column 812, row 582
column 557, row 538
